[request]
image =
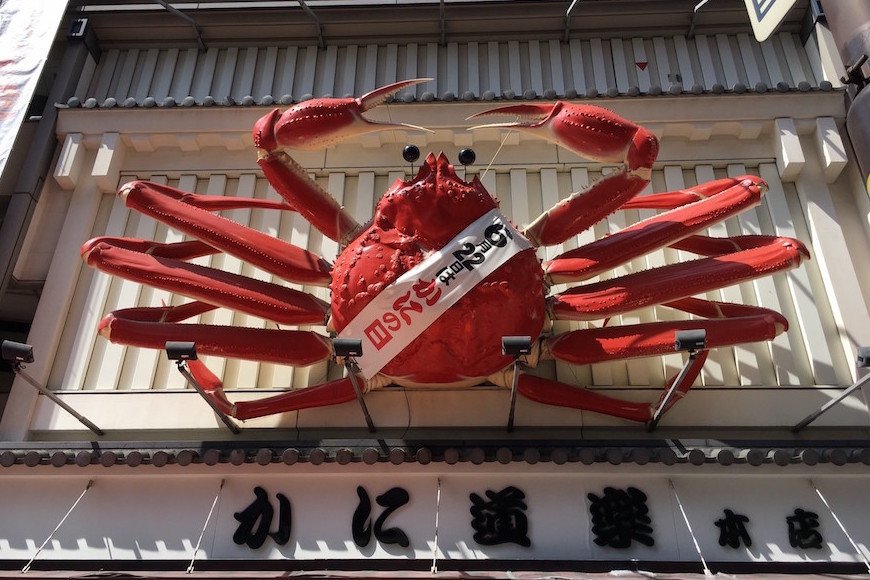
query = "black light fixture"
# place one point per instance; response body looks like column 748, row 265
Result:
column 348, row 349
column 515, row 346
column 692, row 341
column 862, row 361
column 181, row 352
column 18, row 354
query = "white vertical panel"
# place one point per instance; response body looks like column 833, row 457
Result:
column 808, row 312
column 288, row 74
column 516, row 79
column 536, row 67
column 792, row 58
column 673, row 176
column 598, row 67
column 108, row 65
column 183, row 80
column 748, row 56
column 557, row 73
column 139, row 363
column 309, row 68
column 815, row 59
column 432, row 68
column 392, row 64
column 278, row 224
column 549, row 198
column 371, row 69
column 237, row 372
column 265, row 77
column 762, row 292
column 166, row 375
column 685, row 62
column 771, row 62
column 473, row 69
column 326, row 74
column 164, row 72
column 347, row 85
column 662, row 62
column 831, row 253
column 453, row 68
column 146, row 74
column 411, row 68
column 217, row 185
column 620, row 66
column 84, row 346
column 122, row 91
column 222, row 85
column 204, row 74
column 577, row 67
column 705, row 57
column 639, row 51
column 492, row 53
column 727, row 58
column 721, row 366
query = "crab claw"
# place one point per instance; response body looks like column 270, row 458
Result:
column 319, row 123
column 589, row 131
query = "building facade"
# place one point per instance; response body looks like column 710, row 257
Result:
column 171, row 98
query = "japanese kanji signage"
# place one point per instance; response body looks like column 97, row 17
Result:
column 492, row 514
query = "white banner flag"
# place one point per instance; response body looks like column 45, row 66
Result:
column 27, row 29
column 403, row 310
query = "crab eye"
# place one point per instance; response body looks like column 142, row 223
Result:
column 411, row 153
column 467, row 156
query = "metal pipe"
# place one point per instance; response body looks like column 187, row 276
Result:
column 657, row 416
column 352, row 370
column 19, row 370
column 182, row 368
column 815, row 415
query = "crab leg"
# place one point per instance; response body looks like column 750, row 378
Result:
column 331, row 393
column 756, row 256
column 558, row 394
column 728, row 325
column 596, row 134
column 182, row 211
column 236, row 292
column 152, row 327
column 316, row 124
column 718, row 201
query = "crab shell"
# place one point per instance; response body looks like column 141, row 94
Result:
column 413, row 219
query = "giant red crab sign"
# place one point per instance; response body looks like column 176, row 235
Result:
column 438, row 277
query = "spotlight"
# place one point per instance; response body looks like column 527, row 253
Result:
column 17, row 352
column 862, row 361
column 690, row 340
column 516, row 345
column 346, row 347
column 181, row 351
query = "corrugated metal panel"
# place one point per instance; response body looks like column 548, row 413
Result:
column 807, row 354
column 528, row 69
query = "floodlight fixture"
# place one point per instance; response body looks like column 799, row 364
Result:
column 516, row 345
column 349, row 349
column 19, row 354
column 181, row 352
column 690, row 340
column 862, row 361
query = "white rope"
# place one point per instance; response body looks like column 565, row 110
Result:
column 842, row 527
column 204, row 526
column 707, row 571
column 497, row 151
column 57, row 527
column 434, row 569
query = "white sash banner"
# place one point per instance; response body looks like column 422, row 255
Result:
column 415, row 300
column 27, row 29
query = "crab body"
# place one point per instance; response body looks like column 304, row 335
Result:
column 414, row 218
column 458, row 341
